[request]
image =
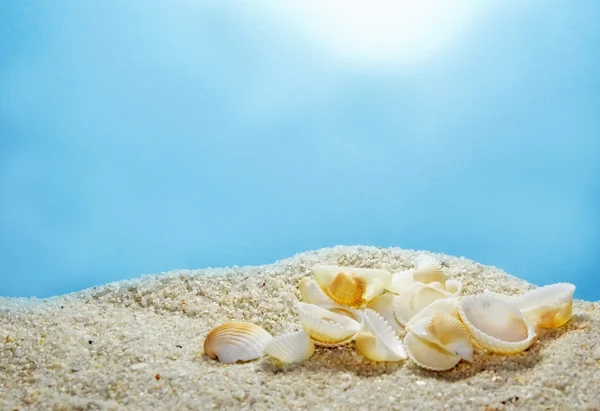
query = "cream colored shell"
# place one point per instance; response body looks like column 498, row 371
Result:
column 415, row 298
column 327, row 328
column 313, row 294
column 385, row 304
column 290, row 348
column 236, row 341
column 428, row 270
column 377, row 340
column 401, row 281
column 550, row 306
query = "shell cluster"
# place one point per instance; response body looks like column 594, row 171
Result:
column 418, row 313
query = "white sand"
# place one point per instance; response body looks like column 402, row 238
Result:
column 104, row 348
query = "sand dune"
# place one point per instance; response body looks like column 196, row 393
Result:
column 137, row 345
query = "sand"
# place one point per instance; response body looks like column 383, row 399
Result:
column 137, row 345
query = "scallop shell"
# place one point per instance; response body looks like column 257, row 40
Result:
column 549, row 306
column 496, row 323
column 428, row 270
column 442, row 306
column 351, row 286
column 401, row 281
column 429, row 355
column 415, row 298
column 447, row 332
column 384, row 305
column 377, row 340
column 236, row 341
column 290, row 348
column 313, row 294
column 325, row 327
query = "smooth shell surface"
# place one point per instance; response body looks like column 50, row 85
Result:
column 429, row 270
column 550, row 306
column 447, row 332
column 415, row 298
column 377, row 340
column 447, row 306
column 401, row 281
column 236, row 341
column 496, row 323
column 351, row 286
column 291, row 348
column 327, row 328
column 385, row 304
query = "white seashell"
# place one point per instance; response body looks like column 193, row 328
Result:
column 429, row 355
column 385, row 305
column 313, row 294
column 496, row 323
column 327, row 328
column 415, row 298
column 290, row 348
column 236, row 341
column 549, row 306
column 428, row 270
column 447, row 332
column 401, row 281
column 454, row 287
column 377, row 340
column 351, row 286
column 442, row 306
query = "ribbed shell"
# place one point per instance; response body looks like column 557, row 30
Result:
column 313, row 294
column 429, row 355
column 446, row 331
column 415, row 298
column 442, row 306
column 291, row 348
column 385, row 305
column 550, row 306
column 401, row 281
column 325, row 327
column 377, row 340
column 428, row 270
column 236, row 341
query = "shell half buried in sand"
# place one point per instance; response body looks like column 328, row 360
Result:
column 290, row 348
column 236, row 341
column 377, row 340
column 327, row 328
column 438, row 343
column 497, row 324
column 351, row 286
column 550, row 306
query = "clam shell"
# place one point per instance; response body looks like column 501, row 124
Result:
column 446, row 331
column 291, row 348
column 313, row 294
column 377, row 340
column 549, row 306
column 428, row 270
column 325, row 327
column 385, row 304
column 429, row 355
column 496, row 323
column 415, row 298
column 454, row 287
column 401, row 281
column 442, row 306
column 351, row 286
column 236, row 341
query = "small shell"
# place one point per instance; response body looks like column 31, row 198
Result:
column 290, row 348
column 442, row 306
column 429, row 355
column 428, row 270
column 377, row 340
column 496, row 323
column 548, row 307
column 313, row 294
column 385, row 305
column 454, row 287
column 351, row 286
column 401, row 281
column 415, row 298
column 236, row 341
column 447, row 332
column 325, row 327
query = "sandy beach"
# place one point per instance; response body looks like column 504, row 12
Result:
column 138, row 345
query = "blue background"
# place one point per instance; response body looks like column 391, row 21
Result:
column 140, row 137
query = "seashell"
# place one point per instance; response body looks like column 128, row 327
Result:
column 549, row 306
column 415, row 298
column 428, row 270
column 384, row 305
column 401, row 281
column 325, row 327
column 447, row 332
column 454, row 287
column 442, row 306
column 496, row 323
column 290, row 348
column 236, row 341
column 377, row 340
column 351, row 286
column 429, row 355
column 313, row 294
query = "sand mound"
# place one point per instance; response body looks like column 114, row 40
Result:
column 137, row 345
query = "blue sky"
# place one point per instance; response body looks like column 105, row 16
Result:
column 141, row 137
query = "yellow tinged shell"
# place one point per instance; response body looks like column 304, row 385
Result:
column 429, row 355
column 401, row 281
column 291, row 348
column 417, row 297
column 447, row 332
column 236, row 341
column 442, row 306
column 385, row 304
column 313, row 294
column 550, row 306
column 428, row 270
column 327, row 328
column 377, row 340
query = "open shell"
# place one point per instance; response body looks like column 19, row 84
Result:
column 415, row 298
column 447, row 306
column 447, row 332
column 385, row 304
column 377, row 340
column 313, row 294
column 351, row 286
column 327, row 328
column 549, row 306
column 496, row 323
column 236, row 341
column 429, row 355
column 428, row 270
column 291, row 348
column 401, row 281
